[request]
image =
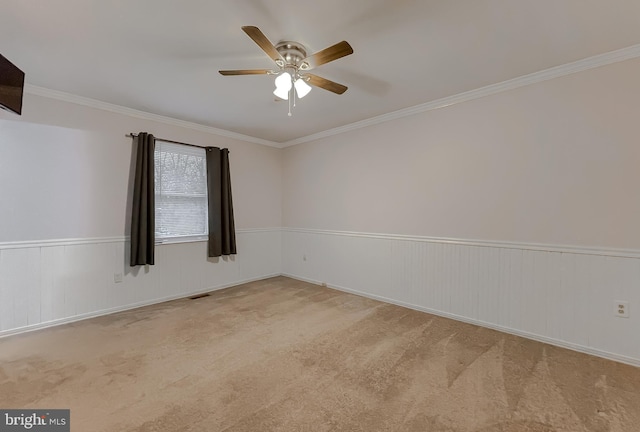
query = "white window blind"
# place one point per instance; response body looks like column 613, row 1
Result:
column 180, row 192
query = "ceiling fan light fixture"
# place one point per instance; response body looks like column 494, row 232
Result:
column 283, row 85
column 302, row 88
column 283, row 81
column 281, row 93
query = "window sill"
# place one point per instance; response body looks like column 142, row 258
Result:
column 182, row 239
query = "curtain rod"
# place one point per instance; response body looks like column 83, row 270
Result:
column 133, row 135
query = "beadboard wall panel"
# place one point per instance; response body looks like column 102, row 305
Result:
column 43, row 284
column 561, row 296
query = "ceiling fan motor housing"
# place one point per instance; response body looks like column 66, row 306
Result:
column 293, row 53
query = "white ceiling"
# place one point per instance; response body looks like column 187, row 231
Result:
column 162, row 56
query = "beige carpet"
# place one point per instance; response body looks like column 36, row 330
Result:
column 282, row 355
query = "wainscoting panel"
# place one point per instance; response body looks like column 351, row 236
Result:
column 560, row 295
column 564, row 296
column 48, row 283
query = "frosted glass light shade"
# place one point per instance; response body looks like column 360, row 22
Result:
column 283, row 85
column 283, row 81
column 302, row 88
column 281, row 93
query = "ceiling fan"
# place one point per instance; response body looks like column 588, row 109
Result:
column 293, row 65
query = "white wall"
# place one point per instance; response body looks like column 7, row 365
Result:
column 555, row 162
column 518, row 210
column 64, row 214
column 64, row 172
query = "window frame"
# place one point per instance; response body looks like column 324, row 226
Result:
column 189, row 238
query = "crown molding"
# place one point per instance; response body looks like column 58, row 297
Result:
column 93, row 103
column 533, row 78
column 525, row 80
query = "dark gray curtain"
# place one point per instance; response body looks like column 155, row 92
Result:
column 143, row 225
column 222, row 234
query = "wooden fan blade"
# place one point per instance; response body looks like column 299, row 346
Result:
column 325, row 84
column 245, row 72
column 334, row 52
column 264, row 43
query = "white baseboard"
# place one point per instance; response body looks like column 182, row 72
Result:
column 527, row 335
column 86, row 316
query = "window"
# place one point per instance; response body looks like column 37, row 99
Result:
column 180, row 192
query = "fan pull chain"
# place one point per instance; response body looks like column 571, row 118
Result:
column 294, row 96
column 290, row 95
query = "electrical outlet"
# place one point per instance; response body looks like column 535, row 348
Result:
column 621, row 308
column 117, row 277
